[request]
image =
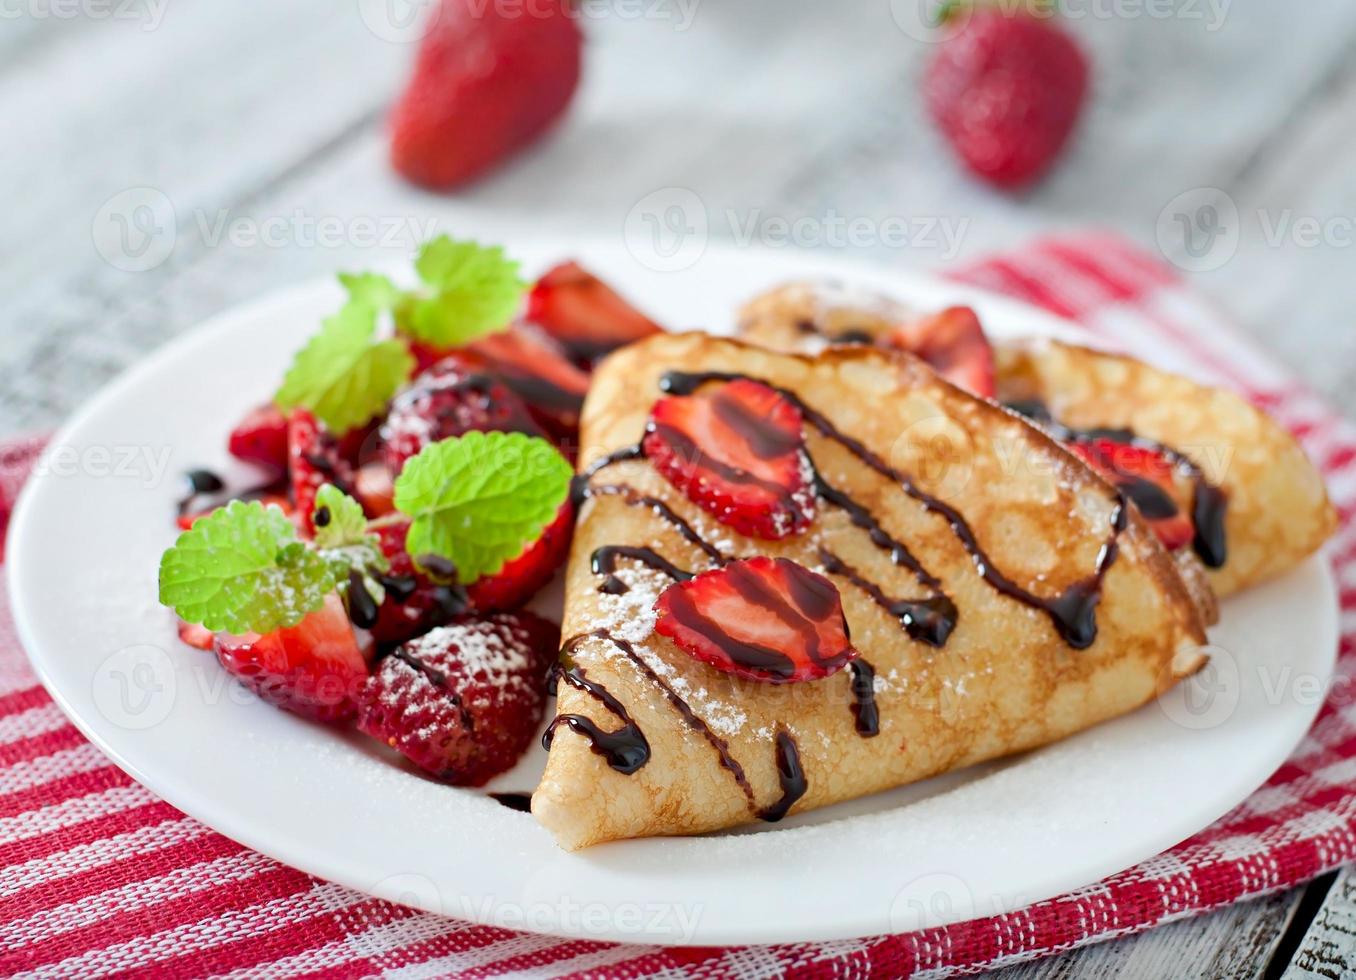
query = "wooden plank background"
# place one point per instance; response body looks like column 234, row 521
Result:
column 258, row 115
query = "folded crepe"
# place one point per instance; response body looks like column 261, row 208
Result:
column 1259, row 504
column 999, row 594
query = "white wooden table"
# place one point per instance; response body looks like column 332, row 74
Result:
column 165, row 159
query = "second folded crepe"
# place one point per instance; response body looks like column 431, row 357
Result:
column 930, row 505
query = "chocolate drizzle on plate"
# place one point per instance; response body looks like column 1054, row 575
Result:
column 1208, row 502
column 522, row 802
column 204, row 490
column 790, row 774
column 1072, row 612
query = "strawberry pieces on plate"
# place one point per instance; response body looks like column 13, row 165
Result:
column 464, row 701
column 953, row 344
column 261, row 438
column 487, row 82
column 315, row 668
column 446, row 401
column 534, row 368
column 1146, row 479
column 414, row 603
column 313, row 459
column 523, row 576
column 584, row 314
column 767, row 619
column 737, row 451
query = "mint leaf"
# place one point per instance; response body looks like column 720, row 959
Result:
column 242, row 569
column 370, row 289
column 474, row 290
column 479, row 499
column 343, row 374
column 342, row 538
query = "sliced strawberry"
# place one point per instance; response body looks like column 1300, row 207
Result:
column 584, row 314
column 316, row 668
column 953, row 343
column 313, row 459
column 767, row 619
column 414, row 603
column 1146, row 479
column 375, row 489
column 464, row 701
column 196, row 636
column 737, row 451
column 446, row 401
column 261, row 438
column 534, row 367
column 186, row 521
column 522, row 577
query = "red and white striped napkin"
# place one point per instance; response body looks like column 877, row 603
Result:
column 98, row 876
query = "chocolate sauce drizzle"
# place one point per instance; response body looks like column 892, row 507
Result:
column 864, row 698
column 205, row 489
column 1072, row 612
column 790, row 774
column 1208, row 502
column 604, row 562
column 522, row 802
column 625, row 749
column 439, row 680
column 928, row 620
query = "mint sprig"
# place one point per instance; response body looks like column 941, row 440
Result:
column 471, row 290
column 242, row 569
column 478, row 499
column 343, row 540
column 344, row 374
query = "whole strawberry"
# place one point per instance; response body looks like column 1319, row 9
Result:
column 1006, row 90
column 490, row 77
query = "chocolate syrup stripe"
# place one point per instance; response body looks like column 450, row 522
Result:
column 1072, row 612
column 791, row 776
column 682, row 707
column 439, row 680
column 1208, row 503
column 626, row 749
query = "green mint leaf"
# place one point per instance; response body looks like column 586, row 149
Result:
column 370, row 289
column 242, row 569
column 473, row 290
column 343, row 540
column 344, row 374
column 479, row 499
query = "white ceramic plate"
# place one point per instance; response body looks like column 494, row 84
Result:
column 84, row 550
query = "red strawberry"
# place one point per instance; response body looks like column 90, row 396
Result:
column 446, row 401
column 1006, row 90
column 315, row 668
column 414, row 603
column 533, row 366
column 953, row 343
column 736, row 450
column 487, row 82
column 375, row 489
column 767, row 619
column 584, row 314
column 1146, row 479
column 521, row 577
column 261, row 437
column 464, row 701
column 314, row 460
column 196, row 636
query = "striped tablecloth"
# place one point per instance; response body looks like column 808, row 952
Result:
column 97, row 876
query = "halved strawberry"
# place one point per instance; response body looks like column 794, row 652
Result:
column 375, row 489
column 313, row 459
column 736, row 450
column 446, row 401
column 767, row 619
column 316, row 668
column 414, row 603
column 584, row 314
column 1146, row 479
column 953, row 343
column 261, row 437
column 535, row 368
column 521, row 577
column 195, row 635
